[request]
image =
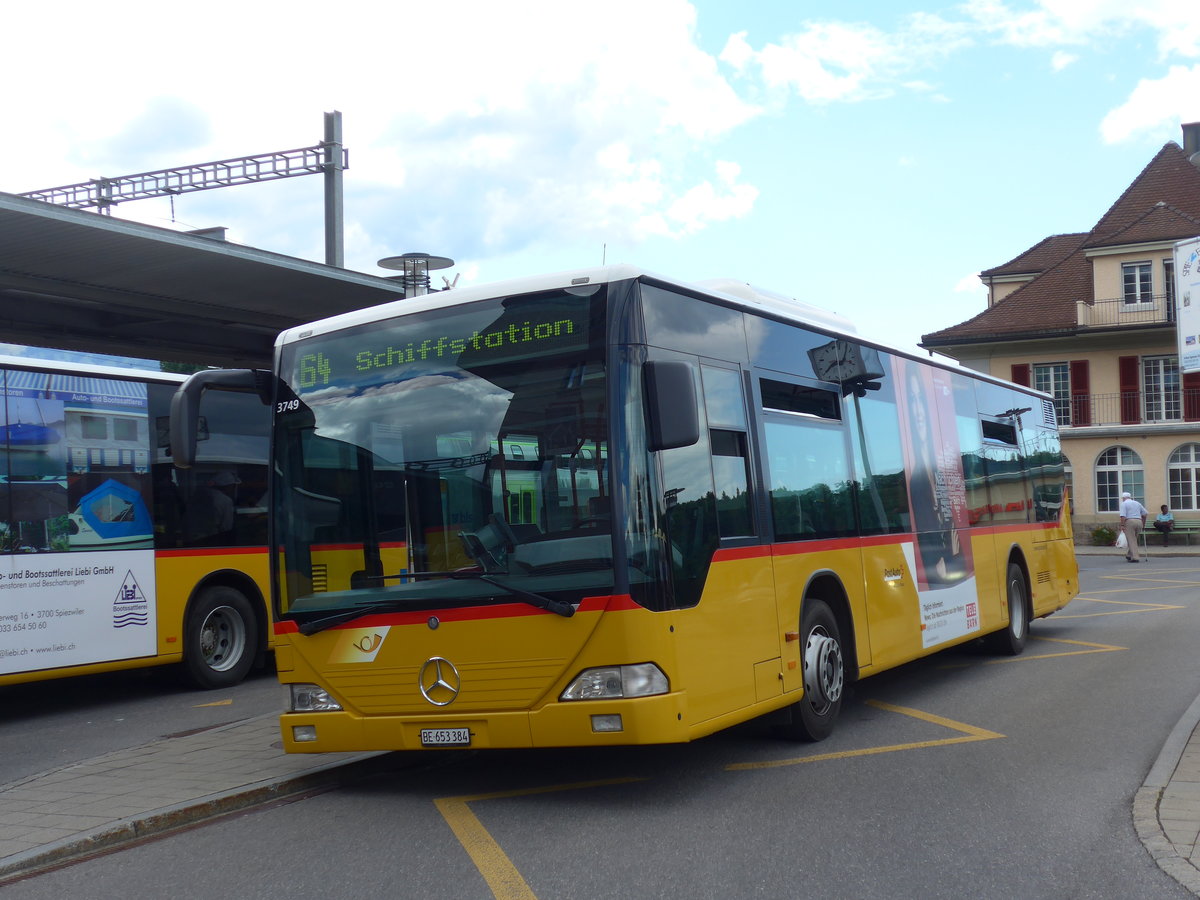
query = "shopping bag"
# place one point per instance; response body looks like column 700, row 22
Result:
column 1121, row 544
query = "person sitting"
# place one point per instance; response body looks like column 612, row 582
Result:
column 1164, row 522
column 210, row 514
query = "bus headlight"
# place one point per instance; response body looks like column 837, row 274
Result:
column 309, row 698
column 641, row 680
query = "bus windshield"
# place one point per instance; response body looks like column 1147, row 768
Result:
column 447, row 457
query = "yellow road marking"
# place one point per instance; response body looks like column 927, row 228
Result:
column 492, row 862
column 1032, row 657
column 214, row 703
column 970, row 733
column 1139, row 607
column 1092, row 648
column 1139, row 584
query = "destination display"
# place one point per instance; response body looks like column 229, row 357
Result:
column 408, row 347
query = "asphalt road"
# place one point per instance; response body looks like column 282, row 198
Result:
column 961, row 775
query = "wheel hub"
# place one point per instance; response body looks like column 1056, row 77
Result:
column 222, row 639
column 823, row 676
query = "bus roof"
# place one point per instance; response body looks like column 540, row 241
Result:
column 730, row 291
column 36, row 363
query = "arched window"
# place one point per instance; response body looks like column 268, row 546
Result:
column 1183, row 477
column 1118, row 469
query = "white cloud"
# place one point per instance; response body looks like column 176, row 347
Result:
column 1156, row 105
column 970, row 284
column 737, row 52
column 706, row 202
column 827, row 61
column 1049, row 23
column 1061, row 59
column 473, row 127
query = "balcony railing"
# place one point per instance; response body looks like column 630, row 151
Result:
column 1159, row 310
column 1129, row 408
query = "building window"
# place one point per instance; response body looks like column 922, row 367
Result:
column 1161, row 397
column 1138, row 282
column 1055, row 380
column 125, row 430
column 1118, row 469
column 1169, row 284
column 1183, row 477
column 94, row 428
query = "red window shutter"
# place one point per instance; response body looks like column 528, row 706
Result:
column 1131, row 395
column 1191, row 396
column 1020, row 373
column 1081, row 393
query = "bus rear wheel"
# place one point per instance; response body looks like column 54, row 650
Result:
column 814, row 716
column 1011, row 640
column 220, row 638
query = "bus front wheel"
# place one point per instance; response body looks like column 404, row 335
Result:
column 220, row 638
column 813, row 717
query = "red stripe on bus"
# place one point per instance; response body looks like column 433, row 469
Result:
column 742, row 553
column 611, row 603
column 792, row 548
column 1011, row 529
column 878, row 540
column 209, row 551
column 394, row 545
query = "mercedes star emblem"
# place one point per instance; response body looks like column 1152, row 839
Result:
column 439, row 681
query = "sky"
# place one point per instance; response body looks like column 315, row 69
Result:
column 870, row 158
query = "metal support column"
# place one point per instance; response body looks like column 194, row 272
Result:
column 334, row 230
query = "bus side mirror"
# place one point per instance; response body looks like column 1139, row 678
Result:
column 671, row 414
column 185, row 405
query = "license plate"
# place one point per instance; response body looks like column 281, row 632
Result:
column 446, row 737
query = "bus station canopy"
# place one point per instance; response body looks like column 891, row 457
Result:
column 76, row 280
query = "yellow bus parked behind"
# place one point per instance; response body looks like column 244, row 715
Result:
column 110, row 557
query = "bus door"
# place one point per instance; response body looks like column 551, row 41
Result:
column 806, row 457
column 728, row 649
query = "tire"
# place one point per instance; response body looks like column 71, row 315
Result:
column 814, row 715
column 220, row 638
column 1010, row 641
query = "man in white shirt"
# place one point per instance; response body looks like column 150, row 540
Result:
column 1133, row 520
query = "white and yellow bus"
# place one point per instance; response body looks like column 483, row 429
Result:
column 603, row 507
column 110, row 557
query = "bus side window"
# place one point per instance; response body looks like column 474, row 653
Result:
column 808, row 461
column 881, row 491
column 726, row 408
column 689, row 498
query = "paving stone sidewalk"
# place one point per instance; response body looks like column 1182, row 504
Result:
column 131, row 794
column 1166, row 809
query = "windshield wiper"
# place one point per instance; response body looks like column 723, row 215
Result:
column 566, row 610
column 349, row 615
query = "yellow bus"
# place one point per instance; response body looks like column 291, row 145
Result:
column 110, row 557
column 604, row 507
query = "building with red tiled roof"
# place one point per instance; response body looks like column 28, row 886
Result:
column 1089, row 317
